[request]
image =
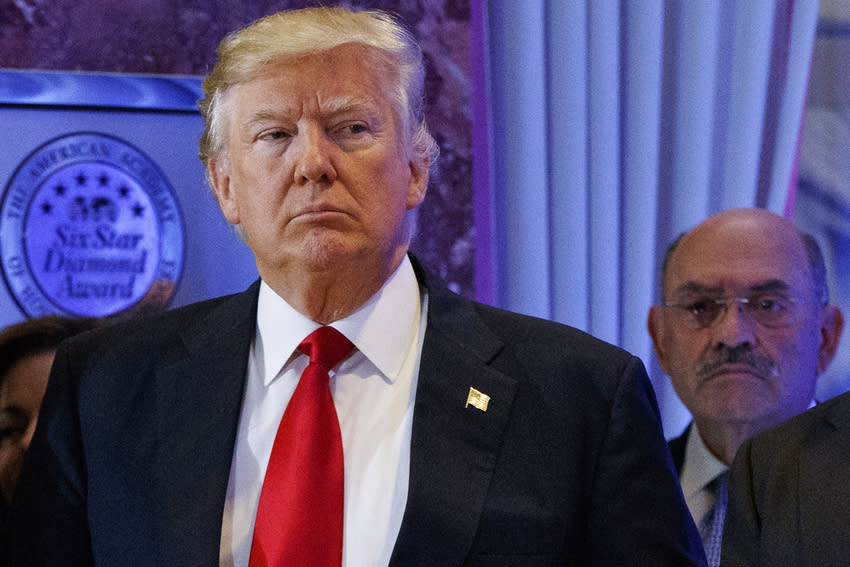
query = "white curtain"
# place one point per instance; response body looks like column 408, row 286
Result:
column 604, row 128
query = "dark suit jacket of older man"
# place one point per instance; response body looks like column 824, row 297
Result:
column 568, row 465
column 789, row 493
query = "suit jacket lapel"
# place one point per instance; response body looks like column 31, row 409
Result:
column 199, row 397
column 677, row 447
column 454, row 447
column 824, row 477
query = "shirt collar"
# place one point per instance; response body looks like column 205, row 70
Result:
column 382, row 329
column 700, row 466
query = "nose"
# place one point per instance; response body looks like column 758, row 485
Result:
column 313, row 154
column 734, row 327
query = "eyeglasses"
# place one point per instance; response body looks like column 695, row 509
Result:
column 773, row 311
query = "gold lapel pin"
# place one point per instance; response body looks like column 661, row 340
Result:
column 477, row 399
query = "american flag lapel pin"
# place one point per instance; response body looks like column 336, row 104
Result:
column 477, row 399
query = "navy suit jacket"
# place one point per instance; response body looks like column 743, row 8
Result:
column 568, row 466
column 789, row 501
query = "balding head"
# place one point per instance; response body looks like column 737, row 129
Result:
column 756, row 217
column 744, row 328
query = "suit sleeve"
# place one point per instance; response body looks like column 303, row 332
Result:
column 638, row 515
column 741, row 530
column 47, row 523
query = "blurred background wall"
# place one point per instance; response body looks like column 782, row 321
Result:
column 822, row 204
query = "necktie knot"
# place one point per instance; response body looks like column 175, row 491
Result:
column 300, row 513
column 326, row 347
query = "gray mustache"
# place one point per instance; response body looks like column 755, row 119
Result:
column 737, row 355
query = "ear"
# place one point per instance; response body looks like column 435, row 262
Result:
column 832, row 323
column 655, row 324
column 417, row 185
column 220, row 181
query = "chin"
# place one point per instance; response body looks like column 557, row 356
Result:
column 744, row 411
column 327, row 251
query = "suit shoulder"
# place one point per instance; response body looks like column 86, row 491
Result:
column 533, row 337
column 128, row 333
column 791, row 435
column 534, row 332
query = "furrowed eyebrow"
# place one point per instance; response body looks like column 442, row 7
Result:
column 263, row 116
column 770, row 286
column 340, row 105
column 696, row 288
column 330, row 107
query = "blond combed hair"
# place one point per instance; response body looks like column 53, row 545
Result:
column 243, row 53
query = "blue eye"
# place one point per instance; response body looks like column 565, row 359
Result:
column 356, row 128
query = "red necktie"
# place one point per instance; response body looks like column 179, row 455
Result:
column 299, row 517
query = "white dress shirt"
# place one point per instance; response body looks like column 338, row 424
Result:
column 698, row 470
column 373, row 391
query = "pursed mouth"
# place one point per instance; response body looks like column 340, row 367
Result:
column 719, row 370
column 737, row 361
column 319, row 212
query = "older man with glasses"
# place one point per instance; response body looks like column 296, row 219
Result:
column 743, row 330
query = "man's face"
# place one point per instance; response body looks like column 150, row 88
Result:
column 21, row 392
column 317, row 170
column 739, row 369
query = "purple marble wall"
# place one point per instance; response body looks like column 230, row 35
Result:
column 180, row 36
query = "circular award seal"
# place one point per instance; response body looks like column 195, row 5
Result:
column 89, row 226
